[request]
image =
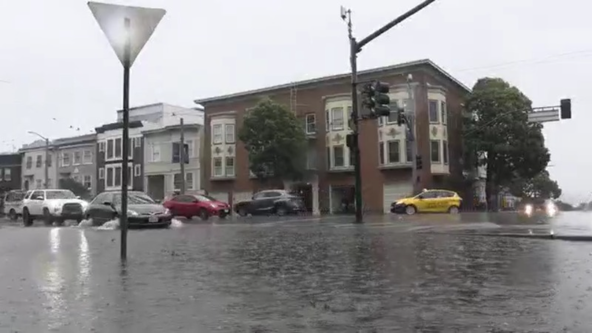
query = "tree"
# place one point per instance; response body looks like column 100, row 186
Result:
column 74, row 186
column 497, row 134
column 540, row 186
column 275, row 141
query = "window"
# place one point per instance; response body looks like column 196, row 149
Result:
column 113, row 177
column 445, row 151
column 229, row 167
column 29, row 162
column 190, row 149
column 118, row 148
column 217, row 134
column 77, row 158
column 155, row 154
column 218, row 171
column 109, row 181
column 137, row 170
column 394, row 152
column 381, row 153
column 338, row 158
column 408, row 151
column 137, row 142
column 188, row 181
column 39, row 161
column 229, row 132
column 311, row 123
column 435, row 151
column 117, row 172
column 177, row 153
column 65, row 159
column 101, row 173
column 327, row 120
column 433, row 110
column 444, row 112
column 7, row 175
column 110, row 149
column 337, row 119
column 311, row 158
column 101, row 146
column 49, row 161
column 87, row 182
column 130, row 149
column 87, row 157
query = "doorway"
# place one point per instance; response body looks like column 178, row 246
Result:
column 156, row 187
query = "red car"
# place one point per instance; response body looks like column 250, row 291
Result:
column 190, row 205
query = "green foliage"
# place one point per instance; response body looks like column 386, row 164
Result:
column 540, row 186
column 74, row 186
column 275, row 141
column 497, row 134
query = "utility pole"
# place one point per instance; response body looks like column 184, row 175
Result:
column 182, row 156
column 355, row 48
column 46, row 185
column 410, row 121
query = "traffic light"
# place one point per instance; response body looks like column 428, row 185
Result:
column 400, row 117
column 418, row 162
column 566, row 108
column 375, row 98
column 351, row 140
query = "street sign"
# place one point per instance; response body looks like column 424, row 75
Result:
column 543, row 115
column 111, row 19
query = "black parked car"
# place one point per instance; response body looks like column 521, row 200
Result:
column 142, row 211
column 278, row 202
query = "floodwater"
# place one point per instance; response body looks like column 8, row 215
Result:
column 309, row 276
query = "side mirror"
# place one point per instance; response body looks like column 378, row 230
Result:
column 420, row 197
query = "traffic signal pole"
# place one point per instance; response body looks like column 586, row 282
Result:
column 355, row 48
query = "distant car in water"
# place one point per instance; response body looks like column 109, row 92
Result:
column 190, row 205
column 428, row 201
column 13, row 204
column 142, row 210
column 52, row 206
column 529, row 207
column 280, row 202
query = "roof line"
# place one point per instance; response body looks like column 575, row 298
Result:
column 427, row 62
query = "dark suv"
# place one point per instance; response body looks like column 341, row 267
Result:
column 280, row 202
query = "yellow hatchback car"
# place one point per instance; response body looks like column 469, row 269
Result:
column 429, row 201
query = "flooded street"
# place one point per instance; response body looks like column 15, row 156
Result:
column 430, row 274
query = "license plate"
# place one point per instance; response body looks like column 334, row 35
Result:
column 153, row 219
column 226, row 211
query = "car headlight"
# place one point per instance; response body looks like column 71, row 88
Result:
column 132, row 212
column 167, row 212
column 551, row 209
column 528, row 209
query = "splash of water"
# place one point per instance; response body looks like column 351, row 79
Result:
column 85, row 223
column 176, row 223
column 110, row 225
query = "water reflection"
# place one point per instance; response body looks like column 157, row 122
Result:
column 54, row 240
column 53, row 285
column 83, row 263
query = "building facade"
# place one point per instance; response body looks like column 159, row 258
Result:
column 10, row 172
column 324, row 106
column 109, row 158
column 77, row 160
column 162, row 159
column 33, row 165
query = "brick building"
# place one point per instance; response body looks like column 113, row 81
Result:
column 324, row 105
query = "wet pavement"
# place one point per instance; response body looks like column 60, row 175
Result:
column 431, row 273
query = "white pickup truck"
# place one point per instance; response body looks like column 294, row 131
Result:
column 52, row 206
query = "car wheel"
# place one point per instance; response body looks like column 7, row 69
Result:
column 27, row 219
column 281, row 211
column 410, row 210
column 242, row 211
column 203, row 214
column 59, row 222
column 453, row 210
column 222, row 215
column 47, row 219
column 12, row 215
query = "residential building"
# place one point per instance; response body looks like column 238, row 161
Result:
column 162, row 167
column 10, row 171
column 77, row 160
column 324, row 105
column 33, row 165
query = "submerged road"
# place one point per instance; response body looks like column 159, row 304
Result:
column 433, row 273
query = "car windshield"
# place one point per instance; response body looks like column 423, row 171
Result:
column 204, row 198
column 60, row 195
column 135, row 199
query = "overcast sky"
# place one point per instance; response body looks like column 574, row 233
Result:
column 56, row 63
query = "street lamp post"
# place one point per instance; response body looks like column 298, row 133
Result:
column 46, row 166
column 127, row 29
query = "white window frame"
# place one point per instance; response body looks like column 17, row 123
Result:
column 333, row 165
column 155, row 152
column 334, row 126
column 101, row 173
column 114, row 167
column 107, row 158
column 189, row 181
column 137, row 170
column 137, row 142
column 86, row 160
column 437, row 120
column 39, row 158
column 445, row 152
column 29, row 162
column 120, row 157
column 229, row 133
column 190, row 149
column 439, row 145
column 63, row 159
column 102, row 147
column 84, row 178
column 215, row 168
column 387, row 152
column 229, row 171
column 79, row 153
column 310, row 120
column 443, row 112
column 7, row 174
column 217, row 134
